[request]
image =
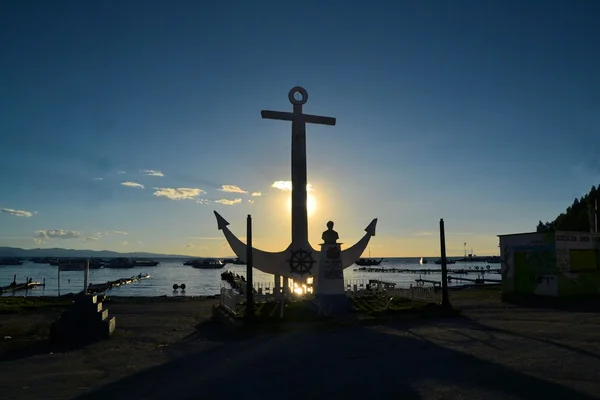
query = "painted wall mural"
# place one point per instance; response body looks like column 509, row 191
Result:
column 551, row 264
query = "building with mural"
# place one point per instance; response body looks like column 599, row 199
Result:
column 559, row 264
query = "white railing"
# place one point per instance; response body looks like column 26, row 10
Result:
column 229, row 300
column 419, row 293
column 365, row 287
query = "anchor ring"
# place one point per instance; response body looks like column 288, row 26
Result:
column 302, row 91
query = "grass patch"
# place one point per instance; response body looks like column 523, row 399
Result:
column 371, row 307
column 9, row 305
column 474, row 293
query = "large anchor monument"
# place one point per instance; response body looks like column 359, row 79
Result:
column 300, row 261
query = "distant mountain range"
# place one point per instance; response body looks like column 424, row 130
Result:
column 56, row 252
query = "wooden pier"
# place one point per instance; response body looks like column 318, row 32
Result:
column 103, row 287
column 14, row 287
column 477, row 280
column 458, row 271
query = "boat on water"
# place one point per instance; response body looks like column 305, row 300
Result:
column 365, row 262
column 10, row 261
column 207, row 263
column 144, row 263
column 423, row 260
column 43, row 260
column 234, row 261
column 448, row 261
column 120, row 262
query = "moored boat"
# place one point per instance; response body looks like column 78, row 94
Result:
column 120, row 262
column 448, row 261
column 207, row 263
column 364, row 262
column 145, row 263
column 10, row 261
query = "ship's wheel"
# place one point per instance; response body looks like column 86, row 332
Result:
column 301, row 262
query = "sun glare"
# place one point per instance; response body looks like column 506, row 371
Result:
column 311, row 204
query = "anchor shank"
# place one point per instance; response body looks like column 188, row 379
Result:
column 299, row 181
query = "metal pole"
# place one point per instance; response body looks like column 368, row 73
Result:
column 58, row 269
column 445, row 299
column 249, row 265
column 86, row 276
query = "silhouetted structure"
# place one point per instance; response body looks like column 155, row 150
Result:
column 330, row 236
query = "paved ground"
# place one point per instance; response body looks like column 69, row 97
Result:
column 495, row 352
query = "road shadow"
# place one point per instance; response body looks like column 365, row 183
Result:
column 588, row 304
column 383, row 361
column 470, row 323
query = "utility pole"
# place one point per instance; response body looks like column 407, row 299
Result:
column 445, row 299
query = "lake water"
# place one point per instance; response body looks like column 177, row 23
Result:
column 199, row 282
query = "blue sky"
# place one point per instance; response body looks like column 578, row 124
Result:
column 486, row 114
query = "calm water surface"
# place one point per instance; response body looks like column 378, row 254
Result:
column 198, row 282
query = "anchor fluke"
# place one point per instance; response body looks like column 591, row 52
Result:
column 221, row 222
column 371, row 228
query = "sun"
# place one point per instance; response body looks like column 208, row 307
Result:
column 311, row 204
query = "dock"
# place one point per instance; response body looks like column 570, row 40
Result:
column 477, row 280
column 458, row 271
column 103, row 287
column 436, row 284
column 14, row 287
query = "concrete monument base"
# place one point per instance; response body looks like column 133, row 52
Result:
column 84, row 321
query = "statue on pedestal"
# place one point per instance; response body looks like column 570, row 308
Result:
column 330, row 236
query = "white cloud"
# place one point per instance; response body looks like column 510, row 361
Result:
column 203, row 201
column 139, row 241
column 116, row 233
column 232, row 189
column 90, row 239
column 16, row 213
column 124, row 243
column 256, row 194
column 121, row 172
column 133, row 184
column 38, row 241
column 228, row 202
column 98, row 179
column 151, row 172
column 179, row 193
column 189, row 245
column 251, row 201
column 57, row 234
column 286, row 186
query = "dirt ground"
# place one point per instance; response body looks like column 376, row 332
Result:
column 164, row 349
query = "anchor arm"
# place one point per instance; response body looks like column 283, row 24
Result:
column 262, row 260
column 351, row 254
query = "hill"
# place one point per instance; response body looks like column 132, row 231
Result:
column 57, row 252
column 577, row 216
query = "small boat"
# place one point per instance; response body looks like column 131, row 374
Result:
column 10, row 261
column 448, row 261
column 365, row 262
column 207, row 263
column 145, row 263
column 234, row 261
column 423, row 260
column 120, row 262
